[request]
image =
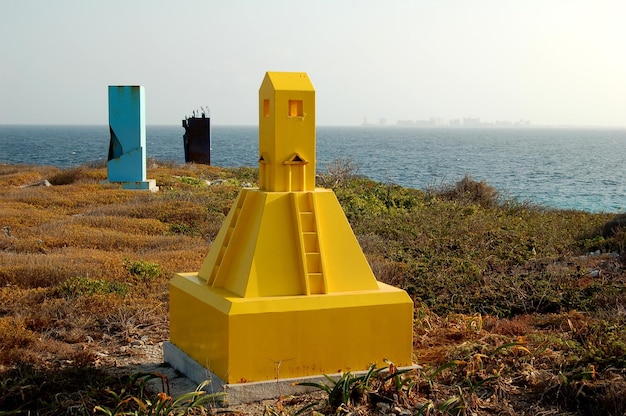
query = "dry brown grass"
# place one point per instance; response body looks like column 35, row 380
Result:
column 510, row 318
column 82, row 228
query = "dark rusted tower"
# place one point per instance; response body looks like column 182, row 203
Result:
column 197, row 139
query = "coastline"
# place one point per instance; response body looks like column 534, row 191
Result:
column 558, row 167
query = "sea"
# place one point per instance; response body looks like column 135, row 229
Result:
column 564, row 168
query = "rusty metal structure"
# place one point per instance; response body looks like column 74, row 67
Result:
column 197, row 137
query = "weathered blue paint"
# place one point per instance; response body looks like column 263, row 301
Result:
column 127, row 123
column 127, row 148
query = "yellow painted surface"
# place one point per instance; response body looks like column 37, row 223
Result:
column 286, row 243
column 244, row 339
column 198, row 325
column 285, row 289
column 286, row 128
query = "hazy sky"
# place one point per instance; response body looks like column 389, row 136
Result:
column 548, row 61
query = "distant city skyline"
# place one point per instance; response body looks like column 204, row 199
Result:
column 555, row 63
column 454, row 122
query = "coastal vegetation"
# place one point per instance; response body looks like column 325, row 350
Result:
column 519, row 309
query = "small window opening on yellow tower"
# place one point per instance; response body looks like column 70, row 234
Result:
column 266, row 108
column 295, row 108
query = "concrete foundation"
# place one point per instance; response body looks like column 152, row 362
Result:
column 147, row 185
column 244, row 392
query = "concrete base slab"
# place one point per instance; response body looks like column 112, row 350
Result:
column 243, row 392
column 147, row 185
column 183, row 363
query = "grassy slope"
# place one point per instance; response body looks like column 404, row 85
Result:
column 509, row 308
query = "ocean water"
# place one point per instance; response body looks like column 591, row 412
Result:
column 581, row 169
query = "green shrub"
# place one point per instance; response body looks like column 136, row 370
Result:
column 135, row 399
column 182, row 229
column 192, row 181
column 244, row 173
column 469, row 190
column 346, row 391
column 142, row 270
column 85, row 286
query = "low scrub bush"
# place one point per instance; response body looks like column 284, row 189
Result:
column 67, row 176
column 187, row 180
column 142, row 270
column 15, row 335
column 244, row 173
column 470, row 191
column 85, row 286
column 26, row 389
column 337, row 172
column 514, row 303
column 47, row 268
column 23, row 175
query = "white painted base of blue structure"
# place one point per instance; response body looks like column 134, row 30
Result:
column 147, row 185
column 243, row 392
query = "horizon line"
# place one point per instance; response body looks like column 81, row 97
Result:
column 482, row 126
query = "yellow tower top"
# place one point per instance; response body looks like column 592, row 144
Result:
column 286, row 132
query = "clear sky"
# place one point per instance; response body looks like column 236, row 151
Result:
column 549, row 61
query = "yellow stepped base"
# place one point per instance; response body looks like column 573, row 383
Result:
column 264, row 338
column 286, row 243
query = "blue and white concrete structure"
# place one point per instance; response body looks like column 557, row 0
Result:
column 127, row 148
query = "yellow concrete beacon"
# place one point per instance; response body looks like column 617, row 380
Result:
column 285, row 290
